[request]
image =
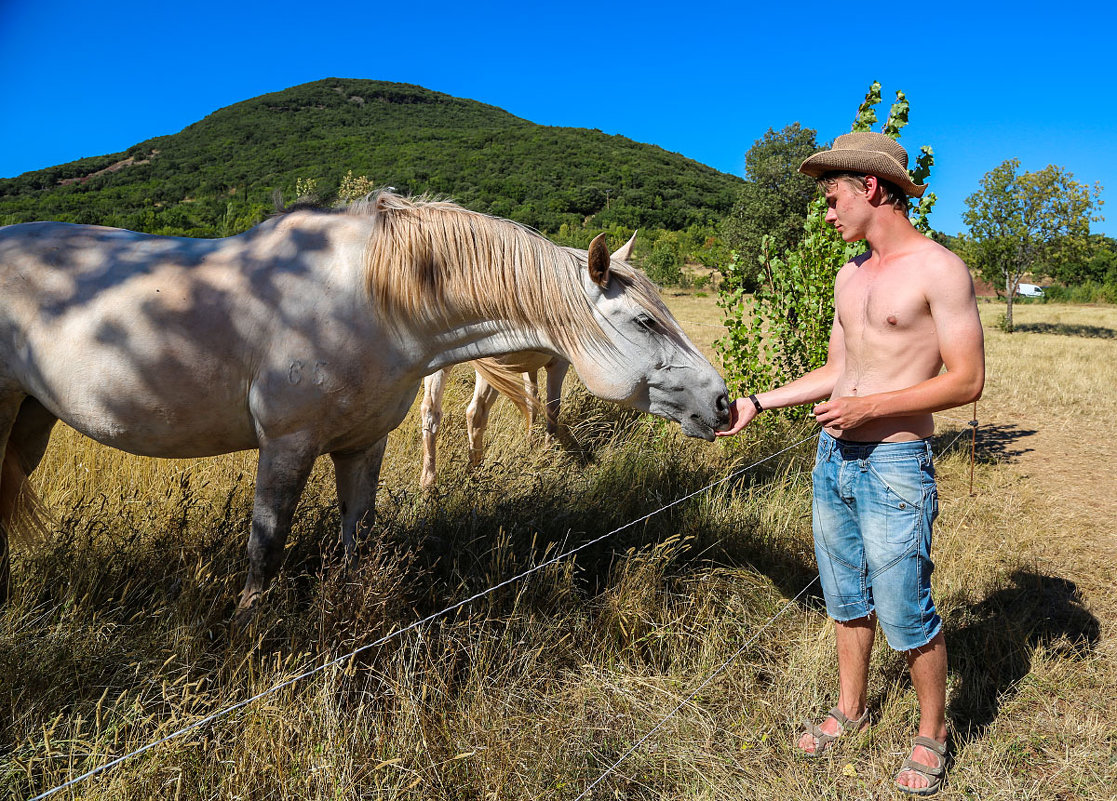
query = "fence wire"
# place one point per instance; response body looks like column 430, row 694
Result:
column 418, row 623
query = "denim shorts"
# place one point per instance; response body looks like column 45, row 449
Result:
column 874, row 504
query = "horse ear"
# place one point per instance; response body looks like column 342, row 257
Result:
column 625, row 252
column 599, row 261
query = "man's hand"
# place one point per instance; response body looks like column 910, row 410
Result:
column 741, row 413
column 843, row 414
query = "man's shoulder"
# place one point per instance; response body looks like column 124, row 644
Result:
column 942, row 264
column 945, row 278
column 940, row 254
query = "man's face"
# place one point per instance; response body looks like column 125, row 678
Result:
column 847, row 210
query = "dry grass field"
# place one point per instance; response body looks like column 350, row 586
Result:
column 119, row 632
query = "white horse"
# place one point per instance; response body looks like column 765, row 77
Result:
column 514, row 376
column 307, row 335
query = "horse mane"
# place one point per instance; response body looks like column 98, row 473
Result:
column 428, row 259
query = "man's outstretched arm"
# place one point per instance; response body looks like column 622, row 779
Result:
column 812, row 386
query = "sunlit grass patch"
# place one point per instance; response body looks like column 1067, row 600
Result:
column 120, row 629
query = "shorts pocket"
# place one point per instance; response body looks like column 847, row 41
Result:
column 902, row 482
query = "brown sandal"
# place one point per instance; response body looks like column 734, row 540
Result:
column 824, row 741
column 934, row 774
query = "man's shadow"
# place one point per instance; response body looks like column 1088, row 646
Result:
column 991, row 644
column 993, row 443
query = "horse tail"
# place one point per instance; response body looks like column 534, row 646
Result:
column 509, row 383
column 22, row 514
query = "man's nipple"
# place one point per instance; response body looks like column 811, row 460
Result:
column 892, row 319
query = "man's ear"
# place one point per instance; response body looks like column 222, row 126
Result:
column 872, row 188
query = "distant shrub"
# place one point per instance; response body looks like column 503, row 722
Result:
column 1088, row 292
column 354, row 187
column 665, row 266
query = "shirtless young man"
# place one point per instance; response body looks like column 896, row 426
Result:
column 903, row 311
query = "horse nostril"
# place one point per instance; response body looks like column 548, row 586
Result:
column 722, row 405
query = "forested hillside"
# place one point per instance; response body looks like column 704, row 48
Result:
column 217, row 177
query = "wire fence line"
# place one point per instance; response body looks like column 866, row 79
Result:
column 732, row 657
column 418, row 623
column 962, row 433
column 970, row 427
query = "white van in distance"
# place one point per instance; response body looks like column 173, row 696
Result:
column 1029, row 291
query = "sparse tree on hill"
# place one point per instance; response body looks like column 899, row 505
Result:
column 1027, row 223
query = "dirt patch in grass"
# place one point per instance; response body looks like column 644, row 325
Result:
column 1050, row 403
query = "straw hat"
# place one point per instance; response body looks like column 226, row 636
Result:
column 869, row 153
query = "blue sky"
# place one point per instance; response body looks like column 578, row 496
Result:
column 986, row 81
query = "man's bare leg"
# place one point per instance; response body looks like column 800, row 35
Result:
column 928, row 676
column 855, row 643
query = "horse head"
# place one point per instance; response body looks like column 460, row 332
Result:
column 463, row 285
column 650, row 363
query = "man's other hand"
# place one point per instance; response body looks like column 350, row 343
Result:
column 843, row 414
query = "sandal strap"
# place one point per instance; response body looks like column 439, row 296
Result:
column 822, row 739
column 927, row 770
column 931, row 745
column 846, row 723
column 820, row 736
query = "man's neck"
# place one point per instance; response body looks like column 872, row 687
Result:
column 891, row 233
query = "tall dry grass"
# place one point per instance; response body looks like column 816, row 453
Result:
column 119, row 632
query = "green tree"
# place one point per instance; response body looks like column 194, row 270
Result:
column 783, row 330
column 773, row 201
column 1099, row 266
column 1028, row 223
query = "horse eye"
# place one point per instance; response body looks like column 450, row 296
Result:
column 647, row 321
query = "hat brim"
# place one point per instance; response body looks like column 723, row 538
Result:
column 862, row 161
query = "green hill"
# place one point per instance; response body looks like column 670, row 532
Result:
column 217, row 176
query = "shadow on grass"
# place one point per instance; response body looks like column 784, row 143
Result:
column 126, row 594
column 992, row 644
column 461, row 537
column 1065, row 329
column 1000, row 443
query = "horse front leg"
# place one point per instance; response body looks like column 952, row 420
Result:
column 357, row 474
column 281, row 476
column 556, row 372
column 10, row 480
column 434, row 387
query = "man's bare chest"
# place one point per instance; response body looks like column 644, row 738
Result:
column 886, row 302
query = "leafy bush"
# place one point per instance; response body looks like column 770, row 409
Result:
column 1089, row 292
